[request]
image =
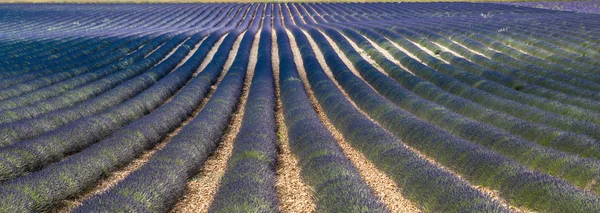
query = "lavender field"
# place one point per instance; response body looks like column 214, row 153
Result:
column 299, row 107
column 574, row 6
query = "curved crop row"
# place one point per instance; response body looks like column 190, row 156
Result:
column 561, row 140
column 337, row 184
column 25, row 155
column 467, row 163
column 459, row 107
column 86, row 167
column 157, row 185
column 28, row 92
column 248, row 184
column 30, row 123
column 483, row 98
column 430, row 186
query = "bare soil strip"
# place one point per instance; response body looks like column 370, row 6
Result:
column 346, row 61
column 384, row 187
column 294, row 195
column 202, row 188
column 472, row 50
column 362, row 53
column 387, row 55
column 443, row 48
column 211, row 53
column 188, row 56
column 172, row 51
column 524, row 51
column 446, row 49
column 409, row 54
column 209, row 56
column 429, row 52
column 116, row 176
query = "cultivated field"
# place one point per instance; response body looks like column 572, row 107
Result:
column 575, row 6
column 381, row 107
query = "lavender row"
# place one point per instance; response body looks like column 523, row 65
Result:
column 576, row 6
column 154, row 18
column 69, row 138
column 445, row 82
column 161, row 181
column 14, row 62
column 33, row 153
column 75, row 97
column 98, row 37
column 174, row 23
column 338, row 185
column 30, row 92
column 30, row 73
column 577, row 170
column 248, row 184
column 551, row 194
column 38, row 83
column 426, row 184
column 509, row 77
column 576, row 76
column 577, row 143
column 82, row 170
